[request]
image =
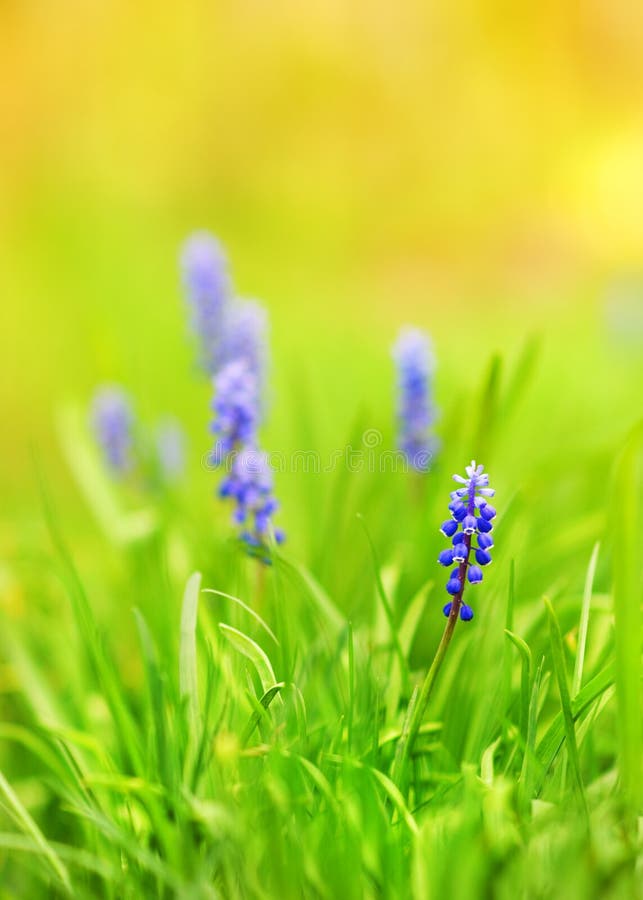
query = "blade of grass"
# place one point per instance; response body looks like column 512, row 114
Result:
column 251, row 612
column 552, row 741
column 584, row 622
column 407, row 630
column 188, row 675
column 24, row 821
column 388, row 609
column 252, row 651
column 261, row 707
column 351, row 689
column 531, row 762
column 627, row 525
column 525, row 679
column 558, row 655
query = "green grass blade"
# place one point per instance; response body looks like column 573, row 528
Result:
column 627, row 527
column 252, row 651
column 388, row 609
column 577, row 678
column 407, row 630
column 558, row 655
column 525, row 679
column 188, row 675
column 24, row 821
column 251, row 612
column 260, row 708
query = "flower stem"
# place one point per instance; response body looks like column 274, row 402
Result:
column 412, row 726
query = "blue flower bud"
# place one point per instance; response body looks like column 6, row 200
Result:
column 485, row 541
column 483, row 557
column 460, row 553
column 484, row 526
column 453, row 586
column 446, row 558
column 487, row 512
column 469, row 524
column 474, row 574
column 458, row 510
column 447, row 609
column 458, row 538
column 449, row 527
column 466, row 613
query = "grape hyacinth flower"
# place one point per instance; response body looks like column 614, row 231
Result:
column 471, row 518
column 206, row 282
column 415, row 361
column 249, row 478
column 112, row 421
column 250, row 483
column 245, row 337
column 236, row 409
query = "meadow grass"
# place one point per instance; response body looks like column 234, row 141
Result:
column 178, row 720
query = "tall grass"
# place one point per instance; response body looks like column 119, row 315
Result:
column 178, row 722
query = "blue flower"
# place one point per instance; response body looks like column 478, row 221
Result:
column 250, row 483
column 249, row 478
column 416, row 413
column 470, row 510
column 236, row 409
column 207, row 286
column 112, row 420
column 245, row 337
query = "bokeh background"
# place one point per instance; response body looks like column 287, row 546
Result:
column 473, row 167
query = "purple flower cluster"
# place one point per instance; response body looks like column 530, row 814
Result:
column 206, row 282
column 129, row 448
column 236, row 410
column 233, row 336
column 471, row 518
column 416, row 413
column 245, row 337
column 112, row 420
column 250, row 483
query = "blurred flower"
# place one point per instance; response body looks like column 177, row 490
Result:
column 170, row 449
column 112, row 421
column 245, row 338
column 472, row 512
column 415, row 363
column 207, row 286
column 250, row 484
column 236, row 409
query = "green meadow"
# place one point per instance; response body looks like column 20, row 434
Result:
column 180, row 720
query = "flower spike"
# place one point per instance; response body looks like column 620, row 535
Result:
column 470, row 512
column 415, row 362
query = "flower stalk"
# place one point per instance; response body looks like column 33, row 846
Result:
column 471, row 516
